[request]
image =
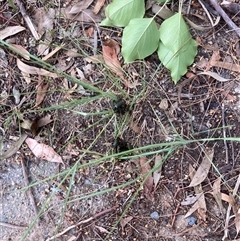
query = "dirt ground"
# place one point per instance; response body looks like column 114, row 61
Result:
column 95, row 192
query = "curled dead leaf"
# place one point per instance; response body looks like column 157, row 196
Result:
column 110, row 51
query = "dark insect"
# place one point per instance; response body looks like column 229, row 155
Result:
column 119, row 106
column 120, row 145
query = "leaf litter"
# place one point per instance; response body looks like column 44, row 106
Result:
column 197, row 177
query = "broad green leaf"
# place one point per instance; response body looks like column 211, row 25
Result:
column 140, row 39
column 174, row 33
column 177, row 62
column 120, row 12
column 177, row 49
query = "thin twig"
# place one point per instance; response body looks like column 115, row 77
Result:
column 8, row 225
column 29, row 192
column 224, row 134
column 27, row 20
column 229, row 22
column 82, row 222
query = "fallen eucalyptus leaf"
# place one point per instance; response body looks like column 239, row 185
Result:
column 9, row 31
column 34, row 70
column 203, row 169
column 214, row 75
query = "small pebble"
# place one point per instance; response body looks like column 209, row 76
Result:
column 87, row 182
column 3, row 219
column 191, row 220
column 155, row 215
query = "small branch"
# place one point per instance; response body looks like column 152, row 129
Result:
column 229, row 22
column 224, row 134
column 29, row 192
column 27, row 20
column 8, row 225
column 82, row 222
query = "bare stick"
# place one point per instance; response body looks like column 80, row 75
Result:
column 30, row 195
column 8, row 225
column 229, row 22
column 224, row 134
column 27, row 20
column 82, row 222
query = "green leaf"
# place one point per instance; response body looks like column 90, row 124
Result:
column 177, row 49
column 177, row 63
column 174, row 33
column 140, row 39
column 120, row 12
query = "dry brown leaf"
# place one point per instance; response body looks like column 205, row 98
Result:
column 202, row 207
column 9, row 31
column 96, row 59
column 27, row 77
column 110, row 51
column 214, row 75
column 215, row 57
column 34, row 70
column 78, row 7
column 43, row 151
column 157, row 173
column 36, row 124
column 89, row 32
column 217, row 193
column 26, row 124
column 146, row 169
column 72, row 53
column 44, row 121
column 14, row 148
column 101, row 229
column 44, row 19
column 203, row 169
column 134, row 126
column 19, row 49
column 190, row 199
column 226, row 198
column 226, row 65
column 41, row 90
column 200, row 204
column 192, row 210
column 131, row 85
column 98, row 6
column 124, row 221
column 86, row 15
